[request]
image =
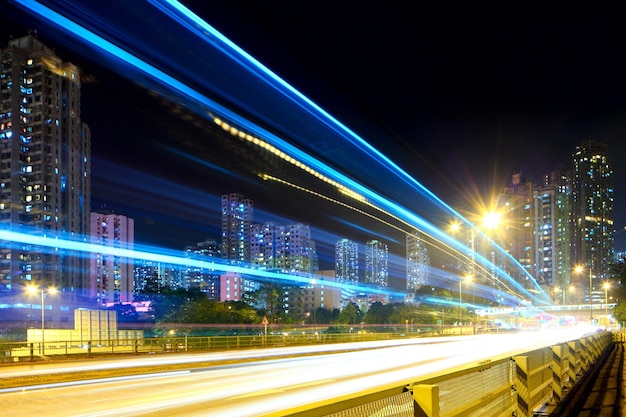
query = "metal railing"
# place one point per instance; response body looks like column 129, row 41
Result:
column 25, row 351
column 528, row 384
column 36, row 350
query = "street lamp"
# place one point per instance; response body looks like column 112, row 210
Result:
column 461, row 301
column 563, row 292
column 556, row 293
column 468, row 278
column 580, row 269
column 34, row 290
column 571, row 290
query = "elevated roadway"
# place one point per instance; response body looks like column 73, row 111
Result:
column 251, row 383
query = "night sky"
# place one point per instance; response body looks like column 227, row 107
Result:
column 461, row 97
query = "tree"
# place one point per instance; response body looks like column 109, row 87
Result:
column 402, row 313
column 125, row 312
column 351, row 314
column 168, row 300
column 195, row 315
column 619, row 312
column 379, row 313
column 324, row 316
column 619, row 292
column 268, row 296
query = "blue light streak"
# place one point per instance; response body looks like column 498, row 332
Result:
column 200, row 103
column 171, row 257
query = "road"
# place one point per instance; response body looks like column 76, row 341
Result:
column 264, row 387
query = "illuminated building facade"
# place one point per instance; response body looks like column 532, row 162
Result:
column 551, row 235
column 516, row 201
column 321, row 292
column 204, row 278
column 111, row 276
column 376, row 263
column 591, row 219
column 151, row 276
column 45, row 167
column 237, row 216
column 283, row 248
column 233, row 287
column 417, row 262
column 347, row 267
column 347, row 261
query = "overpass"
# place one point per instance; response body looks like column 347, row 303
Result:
column 568, row 314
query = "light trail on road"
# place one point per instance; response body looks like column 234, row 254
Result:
column 271, row 387
column 167, row 359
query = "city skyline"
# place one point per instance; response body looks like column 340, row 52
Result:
column 96, row 92
column 207, row 225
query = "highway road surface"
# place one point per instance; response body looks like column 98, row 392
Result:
column 277, row 381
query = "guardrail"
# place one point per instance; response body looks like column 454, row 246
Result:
column 33, row 351
column 528, row 384
column 24, row 351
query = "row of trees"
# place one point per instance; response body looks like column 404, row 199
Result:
column 191, row 307
column 191, row 310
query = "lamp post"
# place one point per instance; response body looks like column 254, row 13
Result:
column 606, row 286
column 33, row 290
column 468, row 278
column 461, row 301
column 454, row 227
column 564, row 291
column 590, row 296
column 490, row 221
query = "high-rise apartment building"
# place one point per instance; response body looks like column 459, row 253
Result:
column 551, row 240
column 347, row 261
column 376, row 263
column 320, row 292
column 204, row 277
column 152, row 276
column 417, row 261
column 111, row 275
column 591, row 220
column 233, row 286
column 295, row 246
column 283, row 248
column 516, row 202
column 45, row 167
column 237, row 216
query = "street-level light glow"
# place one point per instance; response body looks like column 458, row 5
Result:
column 579, row 269
column 491, row 220
column 33, row 289
column 455, row 226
